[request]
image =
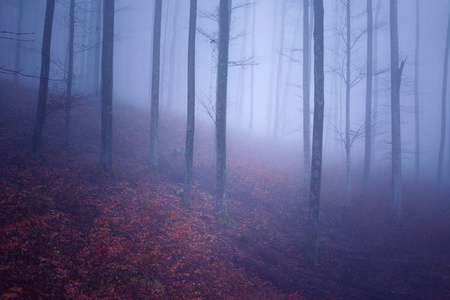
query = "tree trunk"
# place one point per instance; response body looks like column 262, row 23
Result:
column 107, row 85
column 43, row 85
column 68, row 98
column 173, row 48
column 189, row 151
column 396, row 73
column 154, row 112
column 316, row 168
column 97, row 64
column 306, row 85
column 279, row 70
column 368, row 119
column 416, row 98
column 443, row 108
column 221, row 106
column 18, row 42
column 375, row 79
column 347, row 102
column 252, row 70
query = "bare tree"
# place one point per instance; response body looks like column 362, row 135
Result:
column 68, row 98
column 107, row 86
column 221, row 107
column 416, row 98
column 154, row 113
column 316, row 168
column 443, row 107
column 189, row 153
column 396, row 76
column 43, row 85
column 18, row 41
column 306, row 86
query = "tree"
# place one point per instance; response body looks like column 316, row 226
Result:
column 416, row 98
column 306, row 84
column 43, row 85
column 316, row 167
column 154, row 113
column 368, row 118
column 18, row 41
column 68, row 99
column 443, row 107
column 107, row 85
column 221, row 107
column 396, row 75
column 189, row 152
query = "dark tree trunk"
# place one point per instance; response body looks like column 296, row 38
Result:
column 396, row 75
column 221, row 106
column 368, row 118
column 43, row 85
column 189, row 152
column 306, row 85
column 443, row 107
column 154, row 113
column 107, row 86
column 18, row 42
column 68, row 100
column 316, row 168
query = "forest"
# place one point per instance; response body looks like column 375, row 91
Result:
column 224, row 149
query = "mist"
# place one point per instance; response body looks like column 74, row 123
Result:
column 255, row 243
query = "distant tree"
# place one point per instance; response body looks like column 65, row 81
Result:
column 368, row 118
column 173, row 49
column 68, row 98
column 18, row 41
column 107, row 86
column 443, row 107
column 306, row 86
column 43, row 85
column 154, row 112
column 396, row 76
column 416, row 98
column 190, row 128
column 316, row 168
column 221, row 107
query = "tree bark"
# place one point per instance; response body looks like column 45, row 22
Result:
column 107, row 86
column 43, row 85
column 316, row 168
column 368, row 118
column 221, row 106
column 154, row 112
column 396, row 73
column 306, row 92
column 189, row 152
column 68, row 99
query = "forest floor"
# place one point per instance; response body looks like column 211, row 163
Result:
column 69, row 231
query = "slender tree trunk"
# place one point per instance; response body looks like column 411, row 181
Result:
column 18, row 42
column 347, row 102
column 443, row 107
column 279, row 70
column 107, row 86
column 252, row 70
column 396, row 73
column 97, row 64
column 68, row 99
column 368, row 119
column 416, row 98
column 189, row 153
column 306, row 85
column 154, row 113
column 375, row 79
column 173, row 46
column 316, row 168
column 43, row 85
column 221, row 106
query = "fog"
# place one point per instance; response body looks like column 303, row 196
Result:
column 71, row 228
column 132, row 67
